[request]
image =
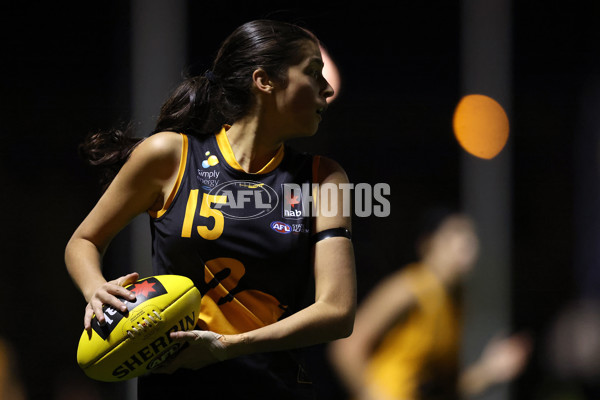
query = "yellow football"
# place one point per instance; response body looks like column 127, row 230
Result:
column 133, row 343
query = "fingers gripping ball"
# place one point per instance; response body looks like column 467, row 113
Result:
column 133, row 343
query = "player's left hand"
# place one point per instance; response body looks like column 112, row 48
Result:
column 205, row 348
column 505, row 357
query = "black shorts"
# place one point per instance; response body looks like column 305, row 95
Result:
column 269, row 376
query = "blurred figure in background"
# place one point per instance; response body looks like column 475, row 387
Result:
column 10, row 383
column 407, row 332
column 572, row 353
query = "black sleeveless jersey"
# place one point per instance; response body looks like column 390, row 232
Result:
column 242, row 238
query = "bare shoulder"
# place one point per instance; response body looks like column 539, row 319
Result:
column 330, row 171
column 155, row 158
column 161, row 144
column 394, row 294
column 331, row 178
column 397, row 279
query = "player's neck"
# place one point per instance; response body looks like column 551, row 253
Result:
column 438, row 264
column 253, row 144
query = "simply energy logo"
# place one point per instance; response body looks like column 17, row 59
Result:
column 245, row 199
column 211, row 160
column 208, row 178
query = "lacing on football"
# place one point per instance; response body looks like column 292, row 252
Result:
column 146, row 323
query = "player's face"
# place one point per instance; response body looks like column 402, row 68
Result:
column 303, row 98
column 457, row 239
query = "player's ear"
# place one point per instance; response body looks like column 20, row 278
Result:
column 262, row 82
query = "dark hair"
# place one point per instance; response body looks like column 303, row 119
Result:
column 200, row 105
column 108, row 150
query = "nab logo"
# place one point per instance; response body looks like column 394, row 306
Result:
column 281, row 227
column 292, row 207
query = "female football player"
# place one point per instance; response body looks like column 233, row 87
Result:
column 407, row 336
column 235, row 209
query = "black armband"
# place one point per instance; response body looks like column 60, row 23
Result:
column 333, row 232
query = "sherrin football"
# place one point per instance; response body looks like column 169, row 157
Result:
column 133, row 343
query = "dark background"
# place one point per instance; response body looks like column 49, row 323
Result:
column 66, row 72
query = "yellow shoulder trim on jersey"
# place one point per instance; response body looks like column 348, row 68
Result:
column 225, row 147
column 182, row 164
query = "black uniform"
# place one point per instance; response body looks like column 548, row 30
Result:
column 244, row 240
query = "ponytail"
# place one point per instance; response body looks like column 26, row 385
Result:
column 187, row 110
column 191, row 108
column 108, row 150
column 201, row 105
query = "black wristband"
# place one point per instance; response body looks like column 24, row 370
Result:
column 333, row 232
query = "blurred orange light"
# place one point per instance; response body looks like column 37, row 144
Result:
column 481, row 126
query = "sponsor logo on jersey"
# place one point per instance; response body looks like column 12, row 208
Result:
column 245, row 199
column 144, row 290
column 208, row 179
column 293, row 201
column 211, row 160
column 281, row 227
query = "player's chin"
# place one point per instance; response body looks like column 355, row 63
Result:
column 302, row 133
column 311, row 124
column 311, row 129
column 312, row 132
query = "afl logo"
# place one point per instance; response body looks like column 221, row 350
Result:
column 281, row 227
column 245, row 199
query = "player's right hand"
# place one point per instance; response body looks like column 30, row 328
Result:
column 206, row 347
column 107, row 294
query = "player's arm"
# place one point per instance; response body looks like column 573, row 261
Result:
column 142, row 184
column 330, row 317
column 380, row 309
column 502, row 360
